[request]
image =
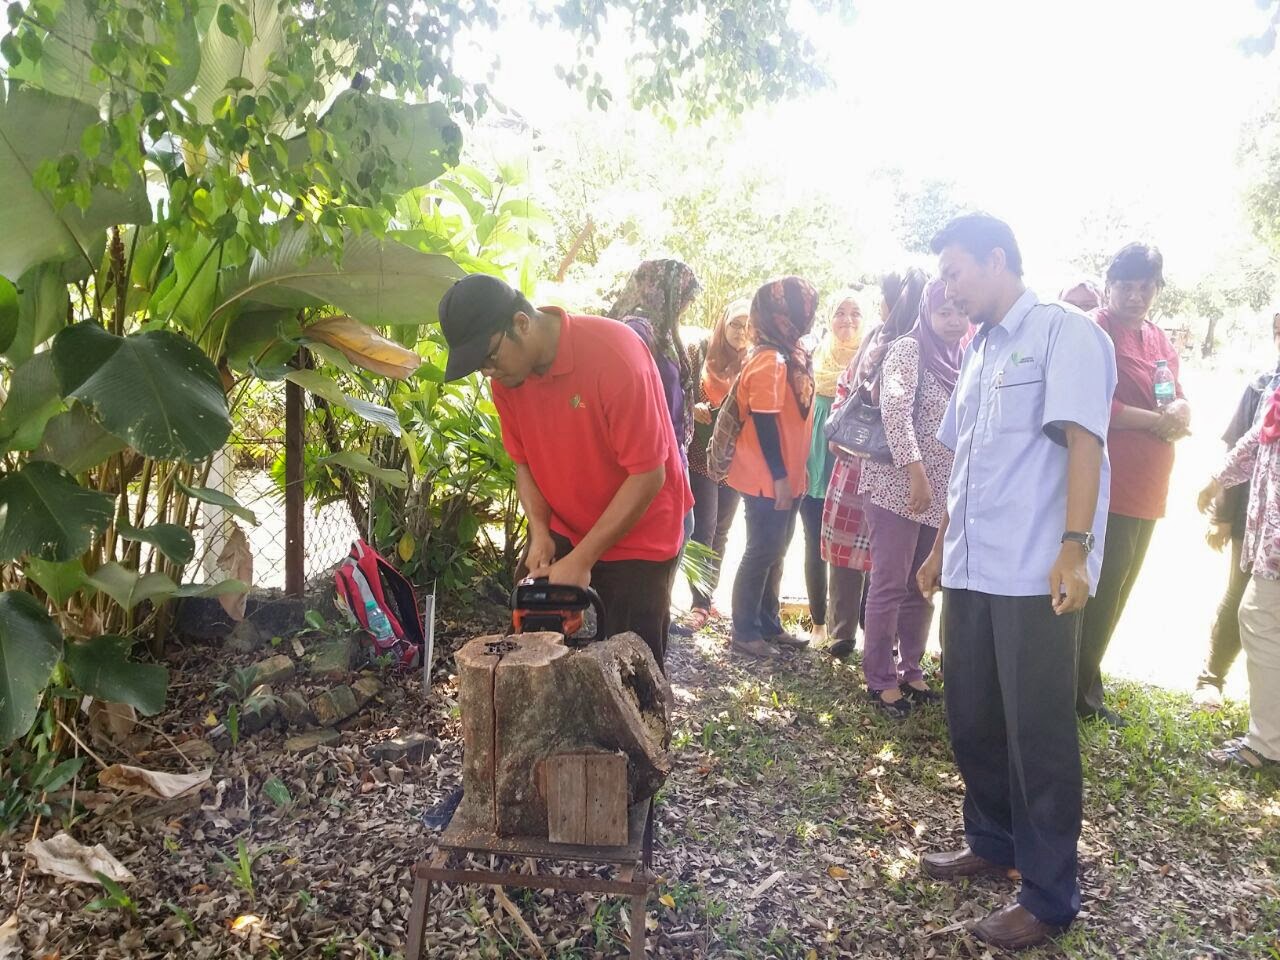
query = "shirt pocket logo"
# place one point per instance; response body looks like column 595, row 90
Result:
column 1019, row 396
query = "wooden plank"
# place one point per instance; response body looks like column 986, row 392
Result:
column 566, row 775
column 606, row 800
column 465, row 837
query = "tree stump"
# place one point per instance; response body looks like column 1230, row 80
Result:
column 528, row 698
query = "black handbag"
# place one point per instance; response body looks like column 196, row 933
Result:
column 857, row 428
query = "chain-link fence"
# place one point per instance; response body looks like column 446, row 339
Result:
column 251, row 469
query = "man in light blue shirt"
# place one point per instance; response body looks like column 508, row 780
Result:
column 1018, row 555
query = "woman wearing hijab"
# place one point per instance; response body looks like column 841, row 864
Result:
column 715, row 362
column 905, row 499
column 832, row 357
column 845, row 541
column 651, row 304
column 775, row 394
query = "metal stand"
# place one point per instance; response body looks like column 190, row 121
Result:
column 633, row 862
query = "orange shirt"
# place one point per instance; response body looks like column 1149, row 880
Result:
column 763, row 387
column 596, row 417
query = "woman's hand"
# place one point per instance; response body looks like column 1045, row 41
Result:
column 1218, row 535
column 1212, row 490
column 702, row 412
column 782, row 496
column 920, row 496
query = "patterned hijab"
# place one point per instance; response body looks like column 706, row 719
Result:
column 659, row 291
column 781, row 313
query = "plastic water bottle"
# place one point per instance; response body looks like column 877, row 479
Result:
column 379, row 625
column 1165, row 389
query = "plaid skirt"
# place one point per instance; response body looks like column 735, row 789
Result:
column 846, row 541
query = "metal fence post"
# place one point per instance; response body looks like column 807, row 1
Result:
column 294, row 495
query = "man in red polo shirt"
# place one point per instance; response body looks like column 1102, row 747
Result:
column 584, row 418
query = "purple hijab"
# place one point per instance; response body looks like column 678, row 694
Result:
column 941, row 360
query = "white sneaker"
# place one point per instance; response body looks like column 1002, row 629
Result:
column 1207, row 697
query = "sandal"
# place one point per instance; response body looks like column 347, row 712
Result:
column 697, row 619
column 898, row 709
column 1234, row 753
column 918, row 696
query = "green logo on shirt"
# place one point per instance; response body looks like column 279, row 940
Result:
column 575, row 401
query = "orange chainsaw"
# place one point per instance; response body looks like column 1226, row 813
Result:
column 557, row 607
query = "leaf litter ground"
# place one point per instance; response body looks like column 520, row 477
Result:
column 791, row 827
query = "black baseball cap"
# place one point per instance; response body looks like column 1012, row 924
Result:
column 471, row 312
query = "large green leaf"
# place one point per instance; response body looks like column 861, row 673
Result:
column 43, row 303
column 156, row 391
column 263, row 341
column 45, row 513
column 127, row 588
column 34, row 399
column 416, row 140
column 36, row 126
column 173, row 541
column 217, row 498
column 224, row 57
column 102, row 668
column 65, row 67
column 220, row 589
column 355, row 460
column 30, row 647
column 315, row 382
column 8, row 314
column 379, row 282
column 77, row 442
column 58, row 580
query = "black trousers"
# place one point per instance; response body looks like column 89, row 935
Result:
column 636, row 595
column 714, row 507
column 1009, row 678
column 1125, row 549
column 815, row 568
column 1224, row 636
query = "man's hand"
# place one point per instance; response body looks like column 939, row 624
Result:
column 1218, row 535
column 542, row 552
column 1069, row 579
column 702, row 412
column 1211, row 492
column 782, row 496
column 920, row 495
column 1174, row 422
column 929, row 576
column 567, row 570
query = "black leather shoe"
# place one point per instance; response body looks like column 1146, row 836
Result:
column 898, row 709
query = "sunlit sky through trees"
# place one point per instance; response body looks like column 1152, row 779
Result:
column 1042, row 112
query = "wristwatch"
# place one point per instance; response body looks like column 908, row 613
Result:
column 1084, row 539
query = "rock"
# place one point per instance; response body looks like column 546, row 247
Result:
column 528, row 697
column 366, row 688
column 333, row 658
column 273, row 669
column 245, row 638
column 304, row 743
column 334, row 705
column 295, row 710
column 395, row 775
column 413, row 748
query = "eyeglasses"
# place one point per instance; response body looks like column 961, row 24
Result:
column 490, row 361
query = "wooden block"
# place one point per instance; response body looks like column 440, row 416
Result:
column 606, row 799
column 587, row 798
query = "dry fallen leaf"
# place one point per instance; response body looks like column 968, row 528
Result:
column 64, row 857
column 667, row 900
column 10, row 945
column 365, row 347
column 244, row 921
column 236, row 561
column 837, row 873
column 152, row 783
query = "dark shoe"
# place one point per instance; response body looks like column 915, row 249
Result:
column 919, row 697
column 954, row 864
column 789, row 640
column 841, row 649
column 678, row 629
column 1013, row 928
column 754, row 648
column 898, row 709
column 1107, row 716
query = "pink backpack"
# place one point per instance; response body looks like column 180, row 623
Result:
column 366, row 575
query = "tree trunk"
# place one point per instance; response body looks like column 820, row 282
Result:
column 1207, row 347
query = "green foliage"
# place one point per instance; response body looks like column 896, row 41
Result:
column 922, row 210
column 30, row 647
column 115, row 898
column 30, row 772
column 240, row 867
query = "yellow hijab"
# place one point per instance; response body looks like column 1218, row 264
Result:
column 833, row 355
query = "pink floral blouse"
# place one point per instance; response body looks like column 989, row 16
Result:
column 912, row 432
column 1258, row 463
